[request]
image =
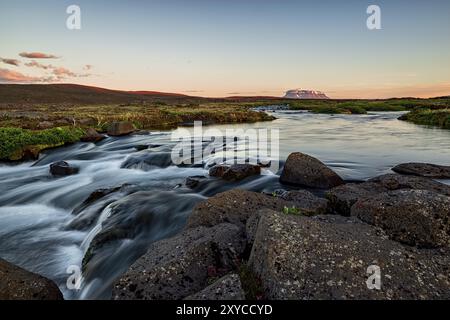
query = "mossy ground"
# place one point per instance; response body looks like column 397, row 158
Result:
column 364, row 106
column 16, row 141
column 43, row 126
column 438, row 118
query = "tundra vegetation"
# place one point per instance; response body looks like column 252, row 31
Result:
column 34, row 118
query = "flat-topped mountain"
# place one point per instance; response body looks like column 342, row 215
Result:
column 305, row 94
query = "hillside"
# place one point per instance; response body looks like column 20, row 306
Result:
column 71, row 93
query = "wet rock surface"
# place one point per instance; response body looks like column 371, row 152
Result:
column 62, row 168
column 121, row 128
column 414, row 217
column 92, row 135
column 19, row 284
column 424, row 170
column 228, row 287
column 234, row 172
column 179, row 267
column 148, row 160
column 304, row 170
column 327, row 257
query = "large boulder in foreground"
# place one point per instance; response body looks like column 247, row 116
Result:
column 19, row 284
column 304, row 170
column 327, row 257
column 342, row 198
column 179, row 267
column 228, row 287
column 236, row 206
column 121, row 128
column 427, row 170
column 414, row 217
column 62, row 168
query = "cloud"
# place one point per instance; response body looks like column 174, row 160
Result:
column 12, row 62
column 88, row 67
column 57, row 73
column 14, row 76
column 37, row 55
column 63, row 72
column 36, row 64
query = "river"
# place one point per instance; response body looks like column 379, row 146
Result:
column 39, row 232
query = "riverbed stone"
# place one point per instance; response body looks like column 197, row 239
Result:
column 342, row 198
column 304, row 170
column 228, row 287
column 181, row 266
column 427, row 170
column 234, row 206
column 120, row 128
column 218, row 170
column 306, row 202
column 63, row 168
column 398, row 181
column 91, row 135
column 19, row 284
column 239, row 172
column 413, row 217
column 327, row 257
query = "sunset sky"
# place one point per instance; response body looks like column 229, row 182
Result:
column 235, row 47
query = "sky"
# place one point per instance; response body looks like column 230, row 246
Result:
column 219, row 48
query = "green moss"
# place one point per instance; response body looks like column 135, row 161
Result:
column 292, row 211
column 15, row 142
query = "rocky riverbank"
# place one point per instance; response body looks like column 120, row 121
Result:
column 297, row 245
column 320, row 237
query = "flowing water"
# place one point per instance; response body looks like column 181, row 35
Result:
column 44, row 229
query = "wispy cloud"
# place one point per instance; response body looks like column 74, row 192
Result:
column 37, row 55
column 57, row 73
column 14, row 76
column 35, row 64
column 12, row 62
column 88, row 67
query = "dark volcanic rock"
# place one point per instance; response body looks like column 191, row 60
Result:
column 327, row 257
column 424, row 170
column 179, row 267
column 304, row 170
column 398, row 181
column 121, row 128
column 218, row 171
column 414, row 217
column 342, row 198
column 241, row 171
column 62, row 168
column 19, row 284
column 306, row 202
column 193, row 182
column 226, row 288
column 148, row 160
column 234, row 206
column 92, row 135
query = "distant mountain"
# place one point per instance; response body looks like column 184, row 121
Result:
column 305, row 94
